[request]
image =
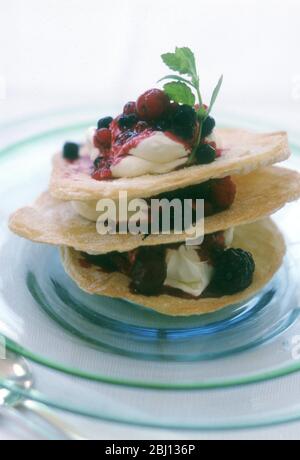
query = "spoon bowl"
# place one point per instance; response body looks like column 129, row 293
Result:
column 15, row 370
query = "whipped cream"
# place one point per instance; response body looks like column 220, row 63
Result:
column 186, row 271
column 157, row 153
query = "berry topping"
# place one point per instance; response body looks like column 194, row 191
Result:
column 152, row 104
column 127, row 121
column 149, row 270
column 129, row 108
column 184, row 121
column 104, row 122
column 71, row 151
column 103, row 173
column 102, row 138
column 205, row 154
column 208, row 126
column 233, row 271
column 222, row 193
column 124, row 137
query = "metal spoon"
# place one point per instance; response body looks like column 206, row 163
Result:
column 17, row 371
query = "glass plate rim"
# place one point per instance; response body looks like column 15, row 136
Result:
column 36, row 396
column 13, row 149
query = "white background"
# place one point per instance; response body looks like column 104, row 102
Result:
column 70, row 52
column 56, row 54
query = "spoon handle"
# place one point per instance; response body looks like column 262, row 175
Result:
column 24, row 422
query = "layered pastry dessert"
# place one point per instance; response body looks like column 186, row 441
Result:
column 165, row 147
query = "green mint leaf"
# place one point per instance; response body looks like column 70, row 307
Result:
column 177, row 78
column 215, row 94
column 171, row 60
column 182, row 61
column 187, row 59
column 179, row 92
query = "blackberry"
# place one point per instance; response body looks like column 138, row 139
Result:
column 104, row 122
column 184, row 121
column 207, row 126
column 127, row 121
column 205, row 154
column 149, row 271
column 233, row 271
column 71, row 151
column 163, row 125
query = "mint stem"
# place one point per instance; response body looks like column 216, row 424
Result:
column 192, row 157
column 191, row 160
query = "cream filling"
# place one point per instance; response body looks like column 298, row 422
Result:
column 186, row 271
column 157, row 153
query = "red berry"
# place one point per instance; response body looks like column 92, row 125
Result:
column 102, row 138
column 129, row 108
column 222, row 193
column 102, row 174
column 152, row 104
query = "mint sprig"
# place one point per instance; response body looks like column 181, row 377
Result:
column 183, row 89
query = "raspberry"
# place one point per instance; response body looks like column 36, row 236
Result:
column 71, row 151
column 205, row 154
column 104, row 122
column 234, row 271
column 222, row 193
column 102, row 138
column 207, row 127
column 152, row 104
column 129, row 108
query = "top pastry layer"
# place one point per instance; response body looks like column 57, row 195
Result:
column 243, row 152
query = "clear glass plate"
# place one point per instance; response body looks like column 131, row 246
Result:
column 46, row 318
